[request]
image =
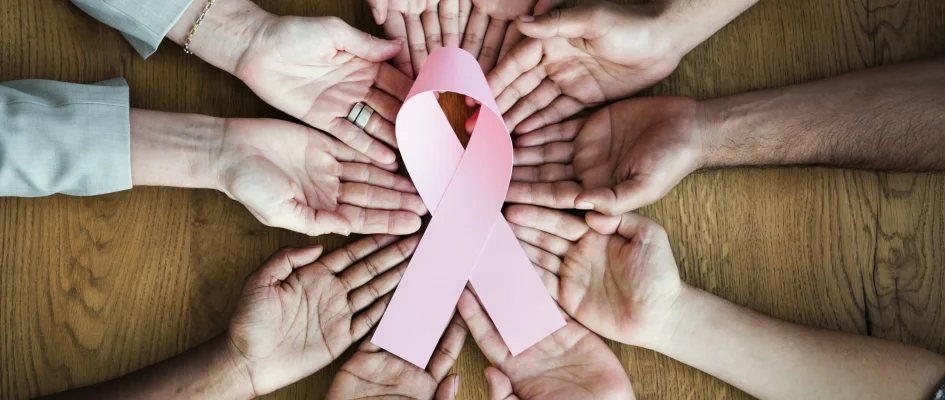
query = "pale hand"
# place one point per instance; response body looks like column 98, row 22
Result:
column 374, row 373
column 578, row 58
column 626, row 156
column 317, row 69
column 299, row 312
column 621, row 285
column 571, row 364
column 490, row 34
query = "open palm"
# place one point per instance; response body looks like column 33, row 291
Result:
column 620, row 285
column 573, row 363
column 626, row 156
column 297, row 178
column 299, row 312
column 317, row 69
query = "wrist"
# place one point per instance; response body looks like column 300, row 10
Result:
column 231, row 368
column 227, row 31
column 677, row 321
column 688, row 23
column 177, row 150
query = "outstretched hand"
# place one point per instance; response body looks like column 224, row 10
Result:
column 626, row 156
column 297, row 178
column 300, row 310
column 622, row 284
column 422, row 26
column 573, row 363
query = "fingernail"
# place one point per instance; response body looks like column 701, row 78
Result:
column 455, row 385
column 526, row 18
column 584, row 205
column 377, row 15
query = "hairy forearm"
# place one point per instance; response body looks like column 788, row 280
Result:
column 206, row 371
column 694, row 21
column 887, row 118
column 773, row 359
column 169, row 149
column 225, row 33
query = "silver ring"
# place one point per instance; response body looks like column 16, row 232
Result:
column 353, row 115
column 364, row 117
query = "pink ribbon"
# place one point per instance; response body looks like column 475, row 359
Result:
column 468, row 239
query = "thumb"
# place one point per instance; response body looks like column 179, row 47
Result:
column 362, row 44
column 569, row 23
column 627, row 196
column 379, row 10
column 448, row 388
column 500, row 387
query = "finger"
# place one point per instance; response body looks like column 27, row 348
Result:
column 362, row 44
column 374, row 176
column 544, row 173
column 431, row 27
column 465, row 9
column 575, row 22
column 384, row 105
column 628, row 225
column 512, row 38
column 541, row 97
column 500, row 387
column 559, row 195
column 359, row 140
column 492, row 43
column 378, row 262
column 394, row 82
column 520, row 88
column 284, row 261
column 555, row 222
column 378, row 198
column 351, row 253
column 345, row 153
column 396, row 29
column 551, row 243
column 626, row 196
column 449, row 22
column 521, row 59
column 547, row 261
column 475, row 31
column 381, row 129
column 447, row 351
column 363, row 296
column 368, row 221
column 449, row 387
column 550, row 280
column 417, row 41
column 379, row 10
column 555, row 152
column 471, row 122
column 483, row 331
column 559, row 109
column 297, row 216
column 563, row 132
column 363, row 322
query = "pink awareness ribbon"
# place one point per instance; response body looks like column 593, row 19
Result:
column 468, row 239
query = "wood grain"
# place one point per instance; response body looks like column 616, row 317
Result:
column 92, row 288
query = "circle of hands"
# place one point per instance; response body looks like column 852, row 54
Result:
column 612, row 272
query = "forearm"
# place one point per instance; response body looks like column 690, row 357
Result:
column 694, row 21
column 773, row 359
column 207, row 371
column 226, row 31
column 888, row 118
column 169, row 149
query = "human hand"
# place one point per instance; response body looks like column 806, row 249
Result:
column 299, row 311
column 297, row 178
column 374, row 373
column 625, row 156
column 313, row 68
column 622, row 284
column 573, row 363
column 579, row 58
column 489, row 34
column 424, row 25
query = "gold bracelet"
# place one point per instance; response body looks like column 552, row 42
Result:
column 190, row 35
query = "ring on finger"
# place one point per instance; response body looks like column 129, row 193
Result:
column 355, row 111
column 364, row 116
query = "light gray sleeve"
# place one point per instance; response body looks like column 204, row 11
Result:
column 58, row 137
column 143, row 22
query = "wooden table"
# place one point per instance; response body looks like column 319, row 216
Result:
column 93, row 288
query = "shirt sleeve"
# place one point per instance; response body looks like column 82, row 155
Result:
column 58, row 137
column 143, row 22
column 940, row 393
